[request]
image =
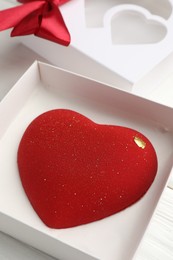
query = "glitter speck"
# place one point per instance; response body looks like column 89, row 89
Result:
column 45, row 179
column 75, row 193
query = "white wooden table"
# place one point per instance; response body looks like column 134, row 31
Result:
column 158, row 241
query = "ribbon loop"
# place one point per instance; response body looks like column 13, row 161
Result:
column 39, row 17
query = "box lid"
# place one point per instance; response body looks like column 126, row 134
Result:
column 141, row 35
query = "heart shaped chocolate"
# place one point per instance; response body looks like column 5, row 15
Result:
column 75, row 171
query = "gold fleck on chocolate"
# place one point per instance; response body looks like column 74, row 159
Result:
column 140, row 142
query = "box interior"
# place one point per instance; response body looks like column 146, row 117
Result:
column 45, row 87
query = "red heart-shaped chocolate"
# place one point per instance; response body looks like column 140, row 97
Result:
column 75, row 171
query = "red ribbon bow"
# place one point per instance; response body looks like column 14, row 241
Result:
column 39, row 17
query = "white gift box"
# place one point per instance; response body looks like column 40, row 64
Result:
column 44, row 87
column 117, row 42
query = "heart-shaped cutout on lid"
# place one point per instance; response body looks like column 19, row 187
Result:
column 130, row 26
column 75, row 171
